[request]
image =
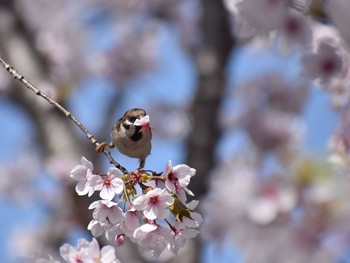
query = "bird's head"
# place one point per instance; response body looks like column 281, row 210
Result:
column 136, row 122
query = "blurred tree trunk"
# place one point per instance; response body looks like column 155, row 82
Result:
column 16, row 46
column 211, row 57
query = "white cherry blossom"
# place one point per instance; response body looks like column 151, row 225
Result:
column 323, row 65
column 88, row 252
column 110, row 185
column 154, row 204
column 295, row 28
column 83, row 174
column 97, row 228
column 180, row 234
column 115, row 235
column 107, row 212
column 131, row 221
column 178, row 176
column 144, row 123
column 152, row 238
column 152, row 234
column 196, row 219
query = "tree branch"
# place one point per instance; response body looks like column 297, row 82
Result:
column 68, row 114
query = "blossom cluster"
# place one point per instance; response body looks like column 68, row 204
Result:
column 87, row 252
column 324, row 46
column 294, row 214
column 147, row 207
column 319, row 33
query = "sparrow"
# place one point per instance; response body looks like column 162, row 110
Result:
column 131, row 135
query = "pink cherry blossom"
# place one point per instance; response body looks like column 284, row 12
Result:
column 110, row 185
column 115, row 235
column 83, row 174
column 152, row 238
column 144, row 123
column 154, row 204
column 295, row 28
column 179, row 236
column 97, row 228
column 131, row 221
column 325, row 64
column 107, row 212
column 196, row 219
column 178, row 176
column 88, row 252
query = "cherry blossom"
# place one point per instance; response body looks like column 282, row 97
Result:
column 106, row 211
column 178, row 176
column 131, row 221
column 144, row 123
column 152, row 238
column 323, row 65
column 272, row 130
column 110, row 185
column 295, row 28
column 184, row 228
column 115, row 235
column 270, row 203
column 97, row 228
column 180, row 235
column 195, row 219
column 154, row 204
column 83, row 174
column 88, row 252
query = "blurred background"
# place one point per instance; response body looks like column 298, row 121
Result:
column 234, row 107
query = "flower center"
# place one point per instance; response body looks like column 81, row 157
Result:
column 172, row 177
column 328, row 66
column 107, row 182
column 153, row 199
column 292, row 26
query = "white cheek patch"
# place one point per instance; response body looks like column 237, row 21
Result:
column 130, row 130
column 127, row 124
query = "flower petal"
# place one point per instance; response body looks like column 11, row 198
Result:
column 87, row 163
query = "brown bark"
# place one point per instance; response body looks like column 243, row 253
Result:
column 211, row 58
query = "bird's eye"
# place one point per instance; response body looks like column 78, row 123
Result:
column 126, row 126
column 132, row 119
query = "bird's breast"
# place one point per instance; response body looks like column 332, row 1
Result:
column 131, row 147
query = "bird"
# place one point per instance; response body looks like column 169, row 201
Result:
column 131, row 135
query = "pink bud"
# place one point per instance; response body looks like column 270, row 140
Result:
column 119, row 240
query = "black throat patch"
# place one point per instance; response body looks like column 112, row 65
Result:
column 137, row 135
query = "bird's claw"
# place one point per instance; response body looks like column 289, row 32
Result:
column 101, row 146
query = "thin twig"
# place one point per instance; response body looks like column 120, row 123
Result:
column 38, row 92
